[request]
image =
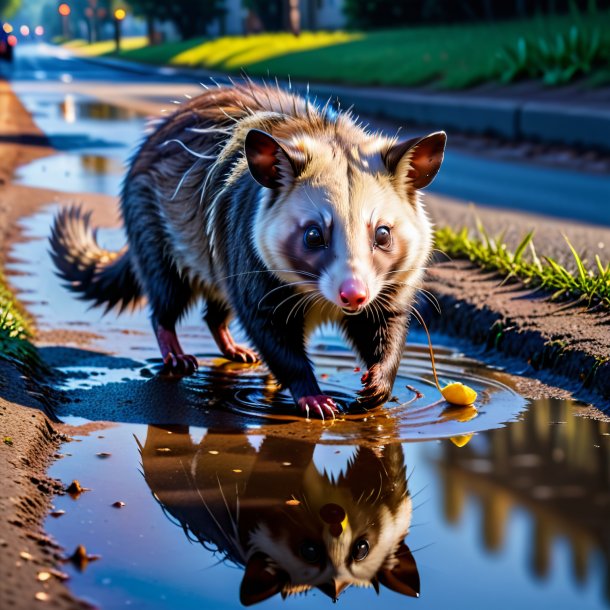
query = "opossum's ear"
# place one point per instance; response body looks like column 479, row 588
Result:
column 259, row 583
column 418, row 160
column 270, row 164
column 403, row 577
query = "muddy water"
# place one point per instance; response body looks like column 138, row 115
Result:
column 499, row 505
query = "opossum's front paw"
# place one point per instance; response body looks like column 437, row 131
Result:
column 377, row 389
column 180, row 365
column 239, row 353
column 321, row 406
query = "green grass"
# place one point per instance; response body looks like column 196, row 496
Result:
column 450, row 57
column 585, row 283
column 15, row 330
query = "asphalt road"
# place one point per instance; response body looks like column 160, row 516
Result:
column 44, row 70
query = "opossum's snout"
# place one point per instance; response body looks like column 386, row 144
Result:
column 353, row 295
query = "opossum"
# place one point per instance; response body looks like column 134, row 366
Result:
column 279, row 211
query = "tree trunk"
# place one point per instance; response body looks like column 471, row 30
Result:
column 293, row 16
column 151, row 33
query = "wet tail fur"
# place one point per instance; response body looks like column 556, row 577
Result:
column 97, row 275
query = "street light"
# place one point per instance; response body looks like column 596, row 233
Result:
column 64, row 10
column 119, row 15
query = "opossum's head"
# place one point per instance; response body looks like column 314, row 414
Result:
column 340, row 215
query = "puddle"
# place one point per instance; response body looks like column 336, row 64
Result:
column 227, row 497
column 500, row 506
column 515, row 518
column 74, row 173
column 95, row 140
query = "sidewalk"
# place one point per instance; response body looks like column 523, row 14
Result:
column 568, row 115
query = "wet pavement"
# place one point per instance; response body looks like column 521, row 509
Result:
column 501, row 504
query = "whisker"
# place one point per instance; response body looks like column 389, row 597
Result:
column 282, row 287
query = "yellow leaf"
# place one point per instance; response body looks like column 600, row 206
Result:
column 462, row 440
column 459, row 394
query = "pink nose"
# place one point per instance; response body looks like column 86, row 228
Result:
column 353, row 293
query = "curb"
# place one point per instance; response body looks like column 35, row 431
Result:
column 584, row 125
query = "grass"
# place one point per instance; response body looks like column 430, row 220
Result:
column 588, row 284
column 450, row 57
column 15, row 330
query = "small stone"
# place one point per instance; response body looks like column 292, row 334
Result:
column 103, row 455
column 118, row 504
column 25, row 555
column 43, row 576
column 42, row 596
column 58, row 513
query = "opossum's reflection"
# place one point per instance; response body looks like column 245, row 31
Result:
column 272, row 508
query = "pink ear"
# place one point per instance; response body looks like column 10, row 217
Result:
column 425, row 157
column 259, row 583
column 267, row 160
column 403, row 577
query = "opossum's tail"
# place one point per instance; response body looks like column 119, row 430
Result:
column 104, row 277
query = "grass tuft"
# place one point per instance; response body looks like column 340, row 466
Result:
column 15, row 330
column 585, row 284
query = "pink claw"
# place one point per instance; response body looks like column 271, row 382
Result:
column 180, row 365
column 320, row 406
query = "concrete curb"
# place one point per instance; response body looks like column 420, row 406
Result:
column 514, row 118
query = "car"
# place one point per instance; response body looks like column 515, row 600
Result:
column 6, row 48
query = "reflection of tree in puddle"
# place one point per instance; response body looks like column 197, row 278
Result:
column 559, row 472
column 72, row 110
column 288, row 522
column 100, row 165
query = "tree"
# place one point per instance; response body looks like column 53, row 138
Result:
column 191, row 17
column 8, row 8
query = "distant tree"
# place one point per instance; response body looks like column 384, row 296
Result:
column 379, row 13
column 149, row 10
column 191, row 17
column 270, row 12
column 8, row 8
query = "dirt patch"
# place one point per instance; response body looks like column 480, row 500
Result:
column 29, row 444
column 561, row 345
column 29, row 440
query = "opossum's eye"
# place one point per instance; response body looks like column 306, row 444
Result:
column 360, row 550
column 383, row 237
column 313, row 237
column 311, row 552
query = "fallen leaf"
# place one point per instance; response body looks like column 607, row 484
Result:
column 459, row 394
column 75, row 489
column 80, row 558
column 462, row 440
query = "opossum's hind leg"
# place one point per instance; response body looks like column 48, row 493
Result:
column 169, row 294
column 175, row 361
column 169, row 300
column 217, row 319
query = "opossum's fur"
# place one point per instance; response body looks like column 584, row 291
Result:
column 199, row 225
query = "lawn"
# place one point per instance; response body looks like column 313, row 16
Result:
column 449, row 57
